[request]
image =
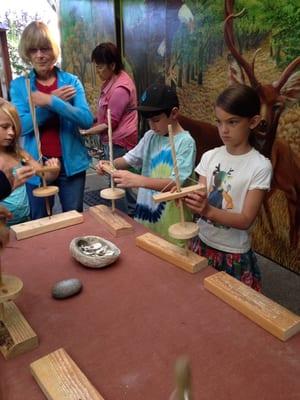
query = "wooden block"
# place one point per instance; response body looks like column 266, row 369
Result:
column 166, row 196
column 47, row 224
column 274, row 318
column 60, row 378
column 114, row 222
column 185, row 259
column 16, row 335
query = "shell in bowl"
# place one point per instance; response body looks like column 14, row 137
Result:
column 94, row 251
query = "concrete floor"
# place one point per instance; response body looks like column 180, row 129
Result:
column 279, row 284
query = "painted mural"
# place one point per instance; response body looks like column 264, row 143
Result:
column 83, row 25
column 184, row 44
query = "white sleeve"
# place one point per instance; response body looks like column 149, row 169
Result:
column 135, row 156
column 202, row 167
column 262, row 178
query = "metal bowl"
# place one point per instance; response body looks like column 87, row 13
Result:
column 94, row 251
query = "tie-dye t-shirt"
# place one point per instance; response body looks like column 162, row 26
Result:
column 153, row 157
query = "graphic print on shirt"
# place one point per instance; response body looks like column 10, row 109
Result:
column 161, row 166
column 219, row 196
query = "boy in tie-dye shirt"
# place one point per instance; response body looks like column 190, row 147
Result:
column 153, row 157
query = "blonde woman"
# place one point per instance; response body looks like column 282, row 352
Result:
column 61, row 110
column 11, row 157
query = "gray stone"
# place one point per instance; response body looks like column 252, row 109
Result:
column 66, row 288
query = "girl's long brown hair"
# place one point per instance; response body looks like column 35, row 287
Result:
column 11, row 112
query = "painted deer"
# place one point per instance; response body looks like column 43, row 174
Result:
column 274, row 96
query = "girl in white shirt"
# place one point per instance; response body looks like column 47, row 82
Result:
column 236, row 176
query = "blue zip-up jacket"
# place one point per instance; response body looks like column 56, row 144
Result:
column 73, row 114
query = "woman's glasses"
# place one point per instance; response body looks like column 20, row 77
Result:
column 43, row 50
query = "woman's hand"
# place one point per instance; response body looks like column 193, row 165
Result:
column 40, row 99
column 197, row 202
column 22, row 175
column 65, row 92
column 126, row 179
column 53, row 162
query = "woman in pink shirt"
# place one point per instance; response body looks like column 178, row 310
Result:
column 118, row 93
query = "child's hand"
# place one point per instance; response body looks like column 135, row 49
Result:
column 197, row 202
column 100, row 167
column 4, row 213
column 126, row 179
column 4, row 232
column 22, row 175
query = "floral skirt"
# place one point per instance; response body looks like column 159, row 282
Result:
column 242, row 266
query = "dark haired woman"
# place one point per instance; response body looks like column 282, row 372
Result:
column 237, row 177
column 118, row 93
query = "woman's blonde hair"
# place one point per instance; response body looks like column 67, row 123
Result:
column 37, row 35
column 11, row 112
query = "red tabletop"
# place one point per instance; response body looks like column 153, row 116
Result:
column 131, row 322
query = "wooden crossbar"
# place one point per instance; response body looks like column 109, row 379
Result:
column 166, row 196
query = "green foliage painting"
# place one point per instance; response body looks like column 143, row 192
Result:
column 84, row 24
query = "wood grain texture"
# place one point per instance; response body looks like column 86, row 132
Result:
column 45, row 191
column 183, row 230
column 185, row 259
column 115, row 224
column 60, row 378
column 43, row 225
column 167, row 196
column 16, row 335
column 271, row 316
column 10, row 288
column 112, row 193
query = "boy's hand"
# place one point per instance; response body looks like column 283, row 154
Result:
column 127, row 179
column 197, row 202
column 100, row 167
column 22, row 175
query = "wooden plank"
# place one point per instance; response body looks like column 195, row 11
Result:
column 60, row 378
column 47, row 224
column 271, row 316
column 166, row 196
column 16, row 335
column 182, row 258
column 116, row 225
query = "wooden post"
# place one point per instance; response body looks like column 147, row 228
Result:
column 111, row 156
column 178, row 186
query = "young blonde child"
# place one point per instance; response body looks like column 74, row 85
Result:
column 236, row 176
column 153, row 157
column 11, row 157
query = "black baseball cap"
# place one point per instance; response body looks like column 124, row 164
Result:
column 158, row 97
